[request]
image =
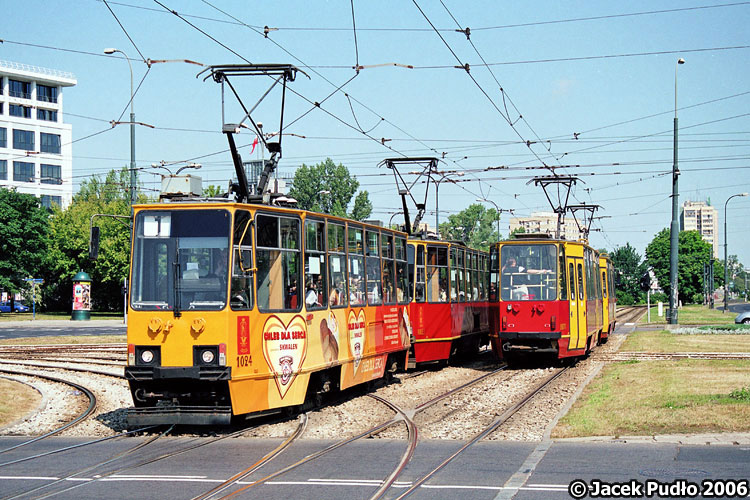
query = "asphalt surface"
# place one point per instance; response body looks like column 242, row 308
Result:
column 58, row 327
column 488, row 470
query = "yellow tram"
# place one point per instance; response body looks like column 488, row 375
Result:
column 237, row 309
column 609, row 298
column 550, row 297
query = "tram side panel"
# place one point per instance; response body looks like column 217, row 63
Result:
column 194, row 358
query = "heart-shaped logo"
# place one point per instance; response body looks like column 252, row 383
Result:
column 357, row 325
column 284, row 347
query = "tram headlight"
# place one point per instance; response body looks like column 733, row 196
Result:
column 207, row 356
column 147, row 356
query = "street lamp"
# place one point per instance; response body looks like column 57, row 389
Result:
column 133, row 179
column 443, row 176
column 498, row 213
column 675, row 226
column 726, row 268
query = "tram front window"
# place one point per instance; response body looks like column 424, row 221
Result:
column 528, row 272
column 181, row 260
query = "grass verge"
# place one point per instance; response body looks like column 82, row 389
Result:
column 18, row 400
column 693, row 315
column 662, row 397
column 666, row 341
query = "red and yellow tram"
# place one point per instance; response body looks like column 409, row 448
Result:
column 549, row 300
column 609, row 297
column 244, row 309
column 449, row 309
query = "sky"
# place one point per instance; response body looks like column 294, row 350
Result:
column 578, row 88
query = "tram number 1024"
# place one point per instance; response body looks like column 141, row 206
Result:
column 244, row 360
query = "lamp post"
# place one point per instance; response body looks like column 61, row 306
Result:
column 133, row 179
column 498, row 213
column 726, row 267
column 443, row 176
column 675, row 226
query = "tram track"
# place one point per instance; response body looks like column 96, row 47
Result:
column 494, row 426
column 80, row 418
column 64, row 368
column 405, row 416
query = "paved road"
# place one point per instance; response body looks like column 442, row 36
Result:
column 41, row 328
column 490, row 470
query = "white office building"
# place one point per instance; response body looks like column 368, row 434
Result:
column 36, row 154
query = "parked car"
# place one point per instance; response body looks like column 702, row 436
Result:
column 17, row 307
column 743, row 317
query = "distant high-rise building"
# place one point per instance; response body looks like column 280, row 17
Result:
column 546, row 222
column 36, row 152
column 702, row 217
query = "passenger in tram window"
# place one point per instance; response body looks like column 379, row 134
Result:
column 291, row 300
column 311, row 295
column 387, row 291
column 442, row 294
column 334, row 299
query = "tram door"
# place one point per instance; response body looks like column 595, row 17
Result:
column 577, row 303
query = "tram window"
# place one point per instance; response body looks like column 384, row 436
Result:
column 580, row 282
column 419, row 283
column 336, row 239
column 461, row 275
column 528, row 272
column 437, row 274
column 411, row 265
column 356, row 267
column 338, row 296
column 482, row 273
column 316, row 286
column 494, row 274
column 389, row 296
column 572, row 281
column 278, row 263
column 474, row 278
column 470, row 284
column 372, row 261
column 402, row 274
column 563, row 287
column 241, row 297
column 604, row 284
column 181, row 260
column 454, row 275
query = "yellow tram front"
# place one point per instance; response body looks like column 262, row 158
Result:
column 238, row 309
column 549, row 298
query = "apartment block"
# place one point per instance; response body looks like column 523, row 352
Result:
column 702, row 217
column 36, row 154
column 546, row 222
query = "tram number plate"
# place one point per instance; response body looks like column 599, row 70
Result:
column 244, row 360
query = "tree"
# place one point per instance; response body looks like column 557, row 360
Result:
column 362, row 206
column 475, row 226
column 69, row 242
column 629, row 269
column 518, row 230
column 328, row 188
column 693, row 254
column 23, row 240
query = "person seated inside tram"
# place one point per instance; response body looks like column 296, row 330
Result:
column 335, row 297
column 311, row 294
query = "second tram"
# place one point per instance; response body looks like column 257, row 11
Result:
column 449, row 309
column 549, row 297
